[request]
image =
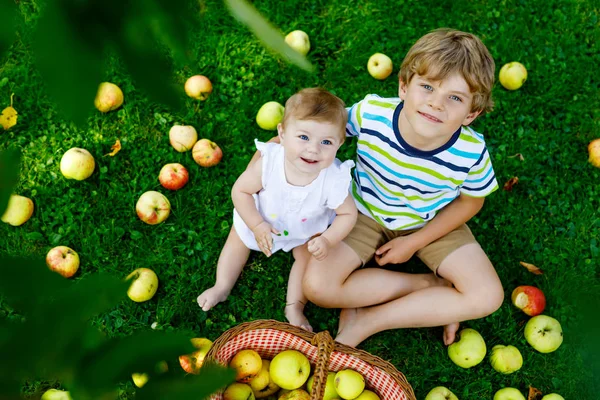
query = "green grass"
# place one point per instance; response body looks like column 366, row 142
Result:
column 551, row 218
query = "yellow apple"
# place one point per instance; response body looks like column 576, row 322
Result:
column 191, row 363
column 77, row 164
column 55, row 394
column 506, row 359
column 270, row 115
column 296, row 394
column 247, row 364
column 289, row 369
column 19, row 210
column 380, row 66
column 139, row 380
column 513, row 75
column 469, row 350
column 109, row 97
column 349, row 383
column 206, row 153
column 238, row 391
column 144, row 285
column 594, row 152
column 330, row 393
column 298, row 40
column 183, row 137
column 368, row 395
column 440, row 393
column 198, row 87
column 544, row 333
column 508, row 393
column 153, row 207
column 262, row 385
column 63, row 260
column 553, row 396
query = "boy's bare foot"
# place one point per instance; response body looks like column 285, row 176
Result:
column 450, row 333
column 211, row 297
column 348, row 321
column 295, row 316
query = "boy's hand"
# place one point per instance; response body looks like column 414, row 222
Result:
column 262, row 234
column 396, row 251
column 319, row 247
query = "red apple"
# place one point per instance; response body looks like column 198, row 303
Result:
column 153, row 207
column 198, row 87
column 206, row 153
column 191, row 363
column 173, row 176
column 63, row 260
column 529, row 299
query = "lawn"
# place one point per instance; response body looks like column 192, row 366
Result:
column 551, row 218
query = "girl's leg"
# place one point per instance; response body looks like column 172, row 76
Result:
column 295, row 299
column 231, row 262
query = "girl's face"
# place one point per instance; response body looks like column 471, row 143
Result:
column 310, row 146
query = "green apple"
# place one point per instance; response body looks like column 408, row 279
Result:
column 440, row 393
column 144, row 285
column 469, row 350
column 289, row 369
column 238, row 391
column 380, row 66
column 270, row 115
column 506, row 359
column 139, row 380
column 367, row 395
column 198, row 87
column 349, row 383
column 77, row 164
column 513, row 75
column 553, row 396
column 508, row 393
column 109, row 97
column 330, row 392
column 55, row 394
column 544, row 333
column 296, row 394
column 262, row 385
column 298, row 40
column 19, row 210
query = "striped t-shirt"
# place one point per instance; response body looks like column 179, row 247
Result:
column 402, row 187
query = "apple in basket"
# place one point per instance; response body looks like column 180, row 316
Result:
column 238, row 391
column 349, row 383
column 330, row 392
column 289, row 369
column 262, row 385
column 191, row 363
column 296, row 394
column 368, row 395
column 247, row 364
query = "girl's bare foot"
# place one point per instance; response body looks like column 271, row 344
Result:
column 450, row 333
column 295, row 315
column 347, row 334
column 211, row 297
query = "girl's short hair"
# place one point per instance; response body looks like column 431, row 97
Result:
column 317, row 104
column 445, row 51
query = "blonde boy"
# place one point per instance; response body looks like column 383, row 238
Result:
column 421, row 174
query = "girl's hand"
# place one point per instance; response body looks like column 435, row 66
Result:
column 319, row 247
column 262, row 235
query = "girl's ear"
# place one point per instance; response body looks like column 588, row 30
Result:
column 280, row 131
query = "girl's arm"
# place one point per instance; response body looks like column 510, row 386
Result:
column 342, row 223
column 248, row 183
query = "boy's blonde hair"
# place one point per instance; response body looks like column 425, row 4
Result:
column 445, row 51
column 317, row 104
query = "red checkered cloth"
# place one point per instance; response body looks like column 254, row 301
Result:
column 269, row 342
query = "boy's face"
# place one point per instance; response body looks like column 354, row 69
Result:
column 434, row 110
column 310, row 146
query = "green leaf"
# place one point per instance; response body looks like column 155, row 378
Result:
column 210, row 379
column 8, row 16
column 271, row 37
column 10, row 161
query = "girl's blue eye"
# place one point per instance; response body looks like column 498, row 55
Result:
column 303, row 137
column 326, row 142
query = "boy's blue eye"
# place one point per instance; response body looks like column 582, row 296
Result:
column 303, row 137
column 456, row 98
column 426, row 87
column 326, row 142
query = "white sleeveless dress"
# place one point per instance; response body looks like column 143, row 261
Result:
column 297, row 212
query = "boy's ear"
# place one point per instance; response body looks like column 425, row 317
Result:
column 402, row 88
column 471, row 117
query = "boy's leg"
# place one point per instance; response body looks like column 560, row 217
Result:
column 295, row 299
column 231, row 262
column 477, row 292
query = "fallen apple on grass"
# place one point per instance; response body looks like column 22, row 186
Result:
column 299, row 41
column 440, row 393
column 153, row 207
column 553, row 396
column 55, row 394
column 529, row 299
column 139, row 380
column 544, row 333
column 508, row 393
column 513, row 75
column 289, row 369
column 63, row 260
column 349, row 384
column 247, row 364
column 143, row 286
column 108, row 97
column 594, row 152
column 269, row 115
column 191, row 363
column 183, row 137
column 77, row 164
column 19, row 210
column 380, row 66
column 173, row 176
column 506, row 359
column 238, row 391
column 207, row 153
column 198, row 87
column 469, row 350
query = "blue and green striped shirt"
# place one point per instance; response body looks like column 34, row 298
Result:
column 402, row 187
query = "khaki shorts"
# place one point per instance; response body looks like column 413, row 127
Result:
column 368, row 235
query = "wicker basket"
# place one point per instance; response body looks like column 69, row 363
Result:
column 269, row 337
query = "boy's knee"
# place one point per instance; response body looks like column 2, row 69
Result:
column 314, row 288
column 488, row 299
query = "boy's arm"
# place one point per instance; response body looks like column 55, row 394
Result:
column 342, row 223
column 248, row 183
column 256, row 156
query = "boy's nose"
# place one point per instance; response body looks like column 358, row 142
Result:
column 435, row 102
